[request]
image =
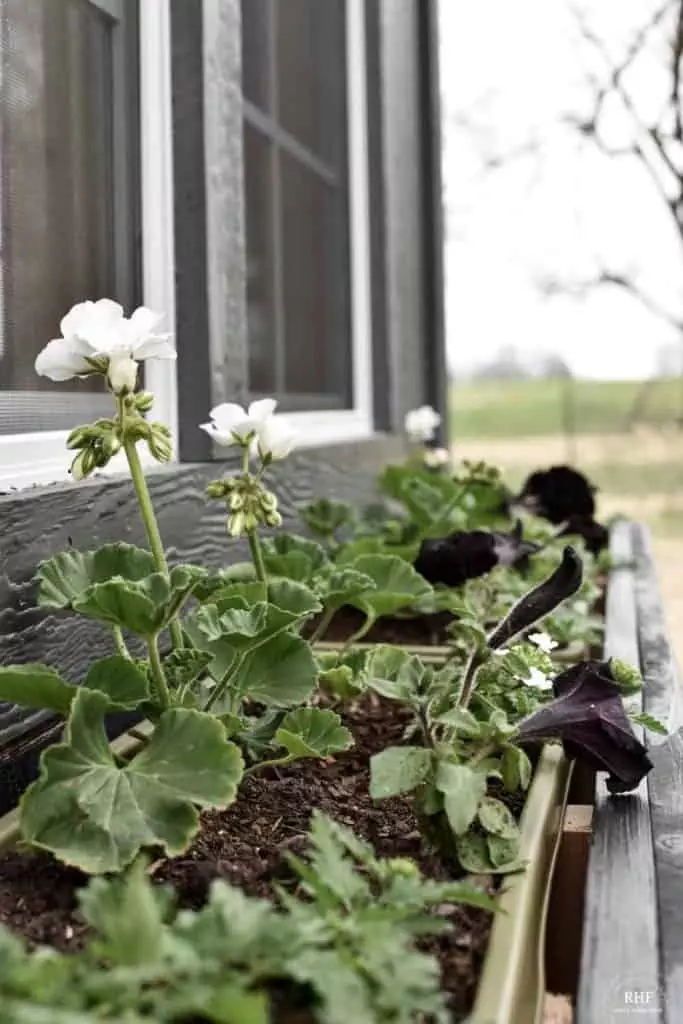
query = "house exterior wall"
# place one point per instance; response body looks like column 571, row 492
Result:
column 212, row 343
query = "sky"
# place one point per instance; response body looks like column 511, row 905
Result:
column 511, row 70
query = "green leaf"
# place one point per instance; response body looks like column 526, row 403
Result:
column 68, row 575
column 340, row 682
column 393, row 673
column 399, row 770
column 516, row 768
column 502, row 852
column 348, row 553
column 649, row 722
column 36, row 686
column 120, row 680
column 342, row 586
column 296, row 558
column 313, row 732
column 397, row 584
column 473, row 853
column 97, row 816
column 462, row 791
column 143, row 606
column 463, row 721
column 325, row 517
column 280, row 673
column 293, row 599
column 497, row 819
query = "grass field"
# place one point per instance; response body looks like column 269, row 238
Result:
column 518, row 425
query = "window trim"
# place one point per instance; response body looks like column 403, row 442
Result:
column 41, row 457
column 336, row 426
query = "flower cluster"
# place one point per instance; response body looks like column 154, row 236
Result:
column 255, row 427
column 421, row 424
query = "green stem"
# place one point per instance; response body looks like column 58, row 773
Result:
column 120, row 643
column 257, row 555
column 474, row 663
column 158, row 676
column 360, row 633
column 220, row 688
column 323, row 625
column 147, row 513
column 275, row 763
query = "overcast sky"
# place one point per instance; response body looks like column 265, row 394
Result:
column 515, row 67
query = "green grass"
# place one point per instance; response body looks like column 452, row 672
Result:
column 534, row 408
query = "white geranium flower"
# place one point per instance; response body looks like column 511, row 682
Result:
column 421, row 423
column 98, row 338
column 276, row 438
column 230, row 423
column 538, row 680
column 543, row 642
column 435, row 458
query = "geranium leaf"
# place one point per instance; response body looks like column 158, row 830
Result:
column 36, row 686
column 280, row 673
column 296, row 558
column 68, row 575
column 342, row 586
column 313, row 732
column 399, row 770
column 498, row 819
column 120, row 680
column 397, row 584
column 325, row 517
column 462, row 790
column 96, row 815
column 393, row 673
column 293, row 599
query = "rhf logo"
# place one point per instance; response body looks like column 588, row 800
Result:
column 631, row 999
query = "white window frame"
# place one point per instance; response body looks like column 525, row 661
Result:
column 42, row 457
column 337, row 426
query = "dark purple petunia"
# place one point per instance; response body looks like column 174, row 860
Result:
column 595, row 535
column 465, row 555
column 558, row 494
column 588, row 715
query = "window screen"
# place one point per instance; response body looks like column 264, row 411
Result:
column 297, row 209
column 70, row 183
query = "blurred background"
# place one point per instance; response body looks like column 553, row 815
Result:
column 563, row 175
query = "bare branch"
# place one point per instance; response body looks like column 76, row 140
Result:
column 551, row 288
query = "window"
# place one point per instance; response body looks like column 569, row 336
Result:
column 86, row 204
column 305, row 173
column 70, row 182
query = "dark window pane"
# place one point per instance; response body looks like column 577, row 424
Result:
column 311, row 62
column 259, row 216
column 256, row 20
column 316, row 290
column 58, row 225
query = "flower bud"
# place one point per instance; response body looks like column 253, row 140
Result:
column 216, row 489
column 122, row 373
column 78, row 437
column 144, row 400
column 236, row 524
column 273, row 519
column 159, row 445
column 235, row 501
column 268, row 501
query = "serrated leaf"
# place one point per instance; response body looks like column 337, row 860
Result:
column 295, row 558
column 394, row 673
column 68, row 575
column 143, row 606
column 325, row 517
column 503, row 852
column 280, row 673
column 95, row 815
column 462, row 791
column 342, row 586
column 340, row 682
column 313, row 732
column 397, row 584
column 497, row 819
column 36, row 686
column 119, row 679
column 649, row 722
column 399, row 770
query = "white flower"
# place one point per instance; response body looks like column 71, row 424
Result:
column 98, row 338
column 276, row 439
column 231, row 424
column 434, row 458
column 543, row 642
column 538, row 680
column 421, row 423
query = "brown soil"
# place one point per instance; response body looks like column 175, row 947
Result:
column 425, row 630
column 245, row 846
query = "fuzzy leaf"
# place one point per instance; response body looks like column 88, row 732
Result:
column 393, row 673
column 463, row 721
column 313, row 732
column 120, row 680
column 497, row 819
column 399, row 770
column 97, row 816
column 342, row 587
column 36, row 686
column 65, row 577
column 143, row 606
column 462, row 791
column 295, row 558
column 397, row 584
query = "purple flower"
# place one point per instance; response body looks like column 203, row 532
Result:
column 558, row 494
column 588, row 715
column 465, row 555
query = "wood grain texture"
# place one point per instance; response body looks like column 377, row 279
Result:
column 36, row 524
column 662, row 699
column 621, row 933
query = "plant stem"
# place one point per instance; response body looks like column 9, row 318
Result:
column 360, row 633
column 257, row 555
column 148, row 517
column 120, row 643
column 220, row 688
column 158, row 676
column 323, row 625
column 473, row 665
column 275, row 763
